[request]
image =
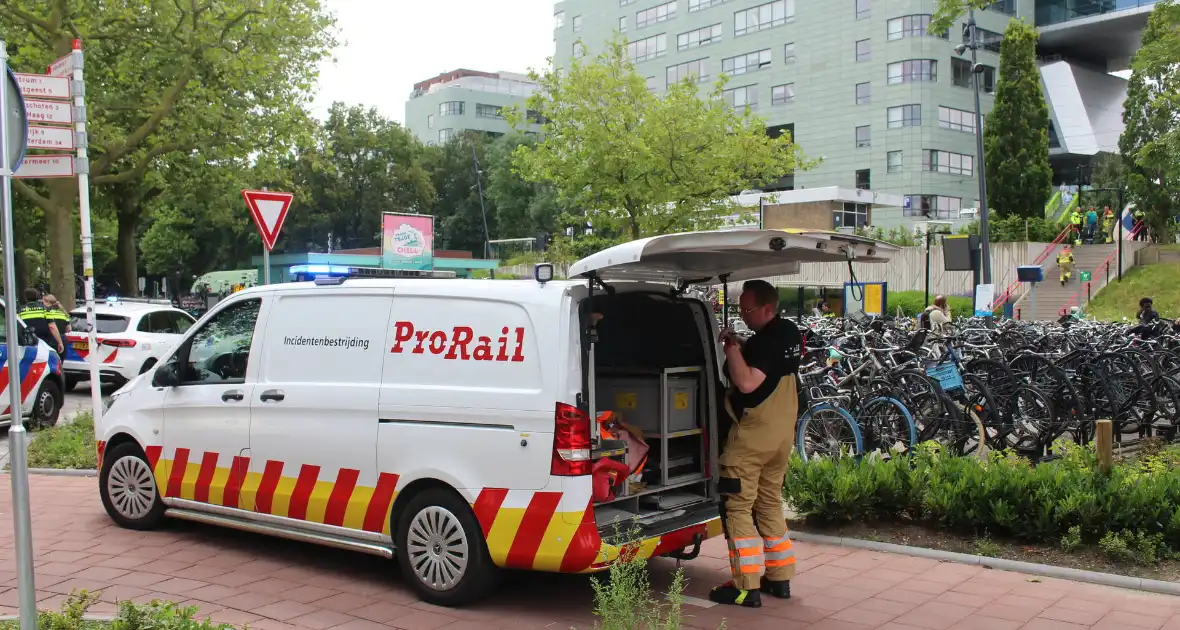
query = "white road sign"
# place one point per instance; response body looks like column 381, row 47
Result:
column 49, row 111
column 40, row 85
column 44, row 166
column 63, row 67
column 42, row 137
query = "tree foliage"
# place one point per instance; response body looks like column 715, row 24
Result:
column 1150, row 144
column 636, row 163
column 949, row 11
column 523, row 209
column 1016, row 136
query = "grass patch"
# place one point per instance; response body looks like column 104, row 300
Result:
column 131, row 616
column 1121, row 299
column 67, row 445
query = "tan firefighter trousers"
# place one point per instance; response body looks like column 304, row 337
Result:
column 753, row 468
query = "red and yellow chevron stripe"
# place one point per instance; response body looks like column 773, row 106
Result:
column 524, row 529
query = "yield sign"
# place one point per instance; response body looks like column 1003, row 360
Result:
column 269, row 210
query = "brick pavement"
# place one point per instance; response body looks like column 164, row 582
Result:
column 275, row 585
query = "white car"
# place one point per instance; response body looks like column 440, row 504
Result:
column 131, row 336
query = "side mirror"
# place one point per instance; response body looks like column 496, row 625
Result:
column 26, row 337
column 167, row 375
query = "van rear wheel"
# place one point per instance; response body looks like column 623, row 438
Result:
column 442, row 551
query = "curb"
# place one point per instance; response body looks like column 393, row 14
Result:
column 1032, row 568
column 64, row 472
column 106, row 618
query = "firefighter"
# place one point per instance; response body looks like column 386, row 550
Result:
column 38, row 319
column 763, row 404
column 1108, row 224
column 1065, row 264
column 1075, row 219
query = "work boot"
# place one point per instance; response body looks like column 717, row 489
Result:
column 780, row 589
column 730, row 595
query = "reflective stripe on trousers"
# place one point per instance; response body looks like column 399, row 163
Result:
column 778, row 552
column 745, row 555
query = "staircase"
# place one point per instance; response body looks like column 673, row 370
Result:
column 1051, row 295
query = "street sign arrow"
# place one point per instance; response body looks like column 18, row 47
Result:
column 46, row 166
column 269, row 210
column 42, row 137
column 53, row 112
column 43, row 86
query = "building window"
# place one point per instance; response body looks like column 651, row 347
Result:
column 852, row 215
column 947, row 162
column 697, row 5
column 1007, row 7
column 917, row 25
column 988, row 40
column 649, row 48
column 535, row 117
column 932, row 206
column 749, row 62
column 864, row 50
column 904, row 116
column 623, row 24
column 864, row 92
column 430, row 121
column 624, row 3
column 450, row 108
column 700, row 37
column 961, row 75
column 782, row 94
column 893, row 162
column 764, row 16
column 445, row 135
column 863, row 180
column 653, row 84
column 864, row 137
column 789, row 52
column 862, row 9
column 488, row 111
column 913, row 71
column 577, row 24
column 746, row 96
column 956, row 119
column 658, row 13
column 559, row 19
column 682, row 71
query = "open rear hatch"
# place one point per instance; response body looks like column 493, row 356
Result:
column 651, row 360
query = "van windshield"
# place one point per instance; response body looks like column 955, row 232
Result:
column 105, row 324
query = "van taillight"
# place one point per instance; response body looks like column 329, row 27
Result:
column 571, row 442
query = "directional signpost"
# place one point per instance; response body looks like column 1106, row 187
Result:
column 269, row 210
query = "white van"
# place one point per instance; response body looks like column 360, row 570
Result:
column 450, row 420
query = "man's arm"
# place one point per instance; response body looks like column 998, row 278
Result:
column 745, row 378
column 56, row 336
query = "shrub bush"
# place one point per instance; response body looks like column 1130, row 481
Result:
column 131, row 616
column 67, row 445
column 1066, row 500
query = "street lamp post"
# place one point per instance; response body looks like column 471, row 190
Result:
column 976, row 70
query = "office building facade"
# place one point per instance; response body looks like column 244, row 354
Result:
column 861, row 84
column 461, row 101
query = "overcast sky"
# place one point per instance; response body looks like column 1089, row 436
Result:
column 389, row 45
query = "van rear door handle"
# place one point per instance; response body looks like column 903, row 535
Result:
column 276, row 395
column 232, row 395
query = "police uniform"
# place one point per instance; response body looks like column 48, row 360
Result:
column 754, row 462
column 39, row 319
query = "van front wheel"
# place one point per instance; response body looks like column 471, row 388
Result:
column 441, row 549
column 128, row 488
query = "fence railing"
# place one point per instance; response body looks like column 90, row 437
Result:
column 1003, row 297
column 1102, row 272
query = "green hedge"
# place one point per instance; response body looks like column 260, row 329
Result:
column 912, row 303
column 1003, row 495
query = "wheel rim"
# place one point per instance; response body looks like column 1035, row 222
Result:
column 131, row 487
column 436, row 546
column 46, row 405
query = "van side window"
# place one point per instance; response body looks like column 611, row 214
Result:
column 220, row 350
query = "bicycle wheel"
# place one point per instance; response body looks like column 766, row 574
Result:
column 891, row 425
column 828, row 431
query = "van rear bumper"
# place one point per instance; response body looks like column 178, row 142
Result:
column 669, row 536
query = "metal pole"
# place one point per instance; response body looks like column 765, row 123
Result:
column 487, row 238
column 926, row 299
column 1119, row 246
column 265, row 257
column 1033, row 299
column 984, row 234
column 17, row 438
column 761, row 213
column 83, row 168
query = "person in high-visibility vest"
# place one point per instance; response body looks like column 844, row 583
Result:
column 1075, row 219
column 1108, row 224
column 1065, row 264
column 41, row 321
column 1141, row 235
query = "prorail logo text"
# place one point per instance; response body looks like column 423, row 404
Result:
column 460, row 343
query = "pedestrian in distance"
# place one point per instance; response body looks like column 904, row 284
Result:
column 762, row 403
column 1148, row 318
column 1065, row 264
column 1091, row 225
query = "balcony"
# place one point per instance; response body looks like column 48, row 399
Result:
column 1049, row 12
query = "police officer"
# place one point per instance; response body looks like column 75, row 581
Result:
column 1075, row 219
column 41, row 321
column 763, row 404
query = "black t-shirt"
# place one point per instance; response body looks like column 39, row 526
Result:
column 1148, row 316
column 37, row 321
column 774, row 351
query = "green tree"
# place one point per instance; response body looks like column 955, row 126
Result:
column 641, row 164
column 1151, row 117
column 458, row 215
column 1106, row 171
column 164, row 78
column 949, row 11
column 523, row 209
column 1016, row 136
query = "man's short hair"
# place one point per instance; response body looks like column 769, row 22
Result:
column 32, row 295
column 764, row 293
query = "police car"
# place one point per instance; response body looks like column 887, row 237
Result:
column 40, row 376
column 131, row 334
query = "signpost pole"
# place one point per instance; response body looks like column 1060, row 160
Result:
column 17, row 438
column 82, row 167
column 265, row 257
column 1033, row 299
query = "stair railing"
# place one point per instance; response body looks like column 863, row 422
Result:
column 1049, row 249
column 1102, row 271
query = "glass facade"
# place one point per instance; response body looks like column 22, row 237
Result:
column 1057, row 11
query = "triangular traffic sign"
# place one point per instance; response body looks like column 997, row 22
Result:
column 269, row 210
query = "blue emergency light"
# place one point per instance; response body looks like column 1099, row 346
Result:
column 320, row 269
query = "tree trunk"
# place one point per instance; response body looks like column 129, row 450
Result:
column 128, row 261
column 59, row 225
